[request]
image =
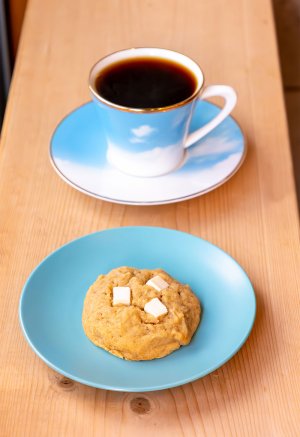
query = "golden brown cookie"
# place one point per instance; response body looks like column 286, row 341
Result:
column 127, row 330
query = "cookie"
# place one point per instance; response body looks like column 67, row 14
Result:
column 158, row 318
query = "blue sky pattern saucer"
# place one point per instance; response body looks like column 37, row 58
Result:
column 78, row 154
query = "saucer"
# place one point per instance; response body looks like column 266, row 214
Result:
column 78, row 154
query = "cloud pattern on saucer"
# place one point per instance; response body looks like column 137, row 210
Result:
column 79, row 155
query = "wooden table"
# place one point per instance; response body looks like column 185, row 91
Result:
column 253, row 217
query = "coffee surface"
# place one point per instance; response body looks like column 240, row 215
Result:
column 145, row 83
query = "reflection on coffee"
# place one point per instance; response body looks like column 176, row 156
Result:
column 145, row 83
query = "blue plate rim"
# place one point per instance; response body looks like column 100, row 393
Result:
column 141, row 203
column 146, row 388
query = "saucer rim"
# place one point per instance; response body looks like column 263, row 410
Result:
column 144, row 203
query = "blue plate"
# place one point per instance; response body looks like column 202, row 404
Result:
column 52, row 300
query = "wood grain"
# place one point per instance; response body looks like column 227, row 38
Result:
column 253, row 217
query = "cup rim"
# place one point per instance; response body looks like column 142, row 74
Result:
column 193, row 96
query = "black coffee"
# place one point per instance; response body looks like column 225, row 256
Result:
column 145, row 83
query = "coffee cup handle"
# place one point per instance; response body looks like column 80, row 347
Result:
column 230, row 98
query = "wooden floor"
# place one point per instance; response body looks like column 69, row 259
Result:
column 287, row 18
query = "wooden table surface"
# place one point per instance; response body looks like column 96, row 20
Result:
column 253, row 217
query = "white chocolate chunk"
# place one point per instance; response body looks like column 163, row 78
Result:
column 121, row 295
column 155, row 307
column 158, row 283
